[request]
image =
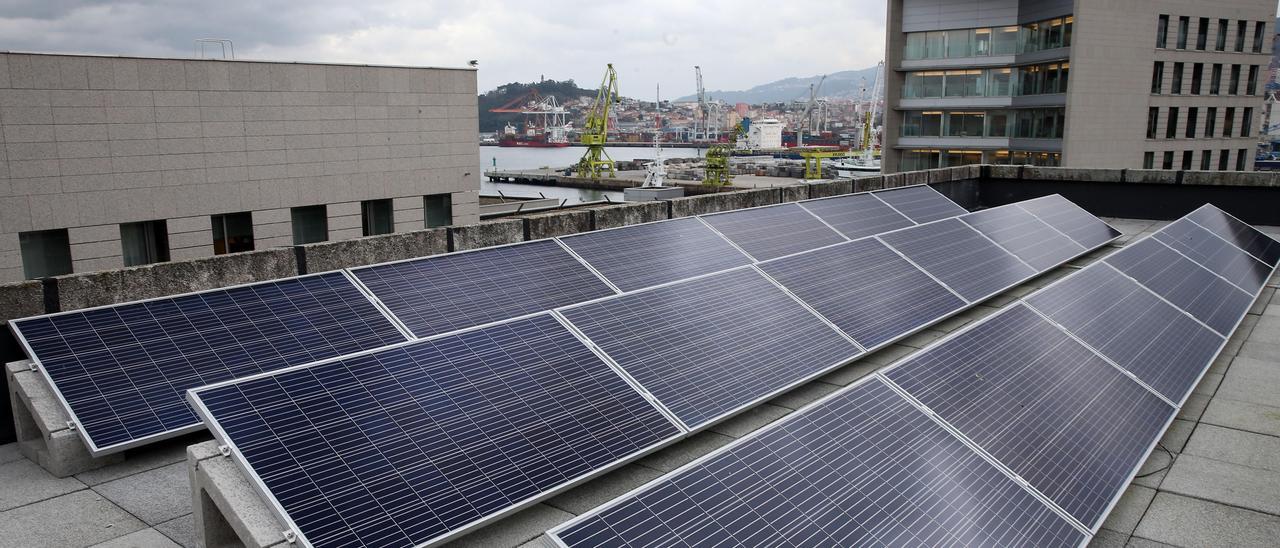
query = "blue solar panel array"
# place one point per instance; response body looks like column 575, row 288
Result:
column 921, row 204
column 640, row 256
column 454, row 291
column 857, row 215
column 407, row 445
column 774, row 231
column 123, row 370
column 1216, row 254
column 960, row 257
column 1182, row 282
column 1068, row 218
column 1024, row 235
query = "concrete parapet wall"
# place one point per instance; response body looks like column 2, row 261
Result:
column 864, row 184
column 160, row 279
column 1150, row 176
column 559, row 223
column 325, row 256
column 21, row 299
column 827, row 189
column 1232, row 178
column 628, row 214
column 793, row 193
column 1073, row 174
column 722, row 201
column 485, row 234
column 1004, row 172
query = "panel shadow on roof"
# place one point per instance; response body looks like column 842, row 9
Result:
column 770, row 232
column 650, row 254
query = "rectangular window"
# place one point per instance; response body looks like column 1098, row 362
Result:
column 960, row 43
column 1259, row 33
column 1229, row 121
column 998, row 82
column 1024, row 126
column 1162, row 32
column 1031, row 37
column 232, row 232
column 916, row 47
column 1148, row 160
column 1202, row 34
column 1234, row 87
column 1246, row 122
column 935, row 45
column 1054, row 37
column 998, row 123
column 1210, row 121
column 438, row 210
column 1251, row 85
column 376, row 217
column 965, row 124
column 1183, row 23
column 310, row 224
column 45, row 253
column 1004, row 41
column 931, row 124
column 1205, row 162
column 1197, row 74
column 1067, row 28
column 1176, row 88
column 1242, row 156
column 1242, row 27
column 1168, row 160
column 1157, row 78
column 1193, row 115
column 964, row 83
column 1224, row 159
column 1153, row 119
column 1171, row 128
column 144, row 242
column 982, row 42
column 1187, row 156
column 1045, row 124
column 1215, row 81
column 1221, row 44
column 923, row 85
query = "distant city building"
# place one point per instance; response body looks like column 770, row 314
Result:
column 109, row 162
column 1156, row 84
column 764, row 134
column 743, row 109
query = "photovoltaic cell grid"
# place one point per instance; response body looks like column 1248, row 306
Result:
column 1182, row 282
column 458, row 290
column 1041, row 403
column 1215, row 254
column 404, row 445
column 857, row 215
column 920, row 203
column 1261, row 246
column 1070, row 219
column 865, row 289
column 123, row 370
column 645, row 255
column 1022, row 234
column 709, row 346
column 862, row 468
column 1134, row 328
column 960, row 257
column 769, row 232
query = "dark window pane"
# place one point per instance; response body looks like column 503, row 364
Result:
column 376, row 217
column 232, row 232
column 145, row 242
column 45, row 253
column 438, row 210
column 310, row 224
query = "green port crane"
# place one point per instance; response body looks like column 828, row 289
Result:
column 717, row 173
column 596, row 161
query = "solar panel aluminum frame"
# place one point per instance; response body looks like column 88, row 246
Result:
column 1237, row 219
column 552, row 535
column 753, row 257
column 689, row 430
column 229, row 447
column 74, row 423
column 900, row 212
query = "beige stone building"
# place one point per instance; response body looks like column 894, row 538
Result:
column 1157, row 84
column 108, row 162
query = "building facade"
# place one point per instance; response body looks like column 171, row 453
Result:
column 107, row 162
column 1157, row 84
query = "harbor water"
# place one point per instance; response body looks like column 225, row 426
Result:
column 514, row 158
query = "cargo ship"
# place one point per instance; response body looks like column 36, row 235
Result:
column 532, row 138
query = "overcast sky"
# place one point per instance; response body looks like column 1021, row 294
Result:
column 738, row 43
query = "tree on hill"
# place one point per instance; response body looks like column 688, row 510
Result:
column 563, row 90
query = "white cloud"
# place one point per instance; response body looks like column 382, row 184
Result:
column 738, row 44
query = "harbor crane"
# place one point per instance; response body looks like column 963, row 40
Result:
column 868, row 118
column 706, row 121
column 595, row 133
column 806, row 119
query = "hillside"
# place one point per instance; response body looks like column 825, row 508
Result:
column 563, row 90
column 845, row 84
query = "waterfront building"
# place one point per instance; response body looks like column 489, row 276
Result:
column 1154, row 84
column 107, row 162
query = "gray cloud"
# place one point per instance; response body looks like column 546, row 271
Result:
column 657, row 41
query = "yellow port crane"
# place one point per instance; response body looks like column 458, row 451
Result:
column 717, row 173
column 596, row 161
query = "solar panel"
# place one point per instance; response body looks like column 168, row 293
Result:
column 960, row 257
column 1260, row 245
column 1070, row 219
column 1042, row 404
column 1184, row 283
column 920, row 203
column 426, row 440
column 122, row 370
column 709, row 346
column 458, row 290
column 867, row 290
column 860, row 468
column 1143, row 334
column 774, row 231
column 857, row 215
column 650, row 254
column 1022, row 234
column 1215, row 254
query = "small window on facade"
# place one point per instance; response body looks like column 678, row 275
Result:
column 1202, row 33
column 1221, row 44
column 1197, row 74
column 1192, row 118
column 1168, row 160
column 1171, row 128
column 376, row 217
column 1187, row 156
column 1148, row 160
column 1259, row 33
column 232, row 232
column 1215, row 81
column 1246, row 122
column 1251, row 85
column 1242, row 157
column 310, row 224
column 1229, row 122
column 1176, row 88
column 45, row 253
column 1157, row 78
column 1205, row 161
column 1183, row 24
column 1234, row 87
column 1153, row 118
column 144, row 243
column 438, row 210
column 1162, row 32
column 1224, row 159
column 1210, row 121
column 1242, row 27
